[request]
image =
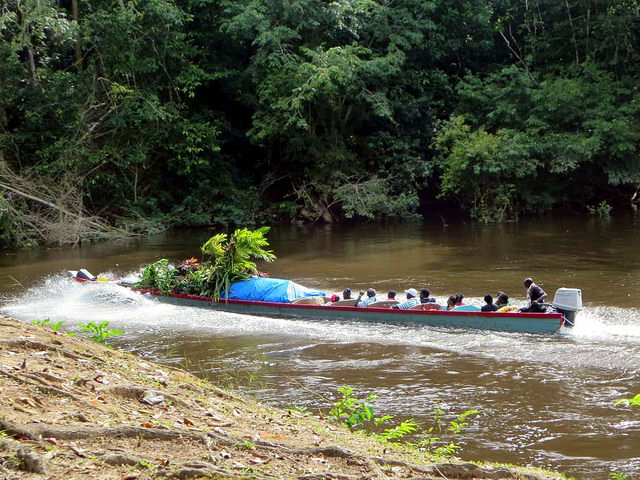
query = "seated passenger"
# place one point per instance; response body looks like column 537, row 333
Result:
column 451, row 302
column 459, row 298
column 503, row 300
column 346, row 294
column 391, row 295
column 334, row 298
column 424, row 296
column 411, row 300
column 535, row 296
column 371, row 297
column 490, row 306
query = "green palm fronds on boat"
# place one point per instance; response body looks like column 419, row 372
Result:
column 226, row 259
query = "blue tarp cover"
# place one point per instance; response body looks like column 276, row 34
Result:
column 269, row 290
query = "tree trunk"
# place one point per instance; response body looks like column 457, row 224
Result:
column 76, row 18
column 573, row 34
column 31, row 61
column 3, row 121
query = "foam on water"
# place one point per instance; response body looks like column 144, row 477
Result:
column 607, row 337
column 608, row 323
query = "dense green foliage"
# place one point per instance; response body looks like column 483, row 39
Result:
column 160, row 275
column 226, row 259
column 238, row 111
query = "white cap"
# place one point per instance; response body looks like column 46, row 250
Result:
column 412, row 291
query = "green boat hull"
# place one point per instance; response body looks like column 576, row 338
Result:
column 541, row 323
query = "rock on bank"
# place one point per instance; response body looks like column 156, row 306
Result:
column 74, row 409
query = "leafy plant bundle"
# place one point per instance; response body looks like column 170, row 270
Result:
column 232, row 258
column 160, row 275
column 226, row 259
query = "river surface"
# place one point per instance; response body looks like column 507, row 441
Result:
column 542, row 400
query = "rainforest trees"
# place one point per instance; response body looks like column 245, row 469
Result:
column 140, row 114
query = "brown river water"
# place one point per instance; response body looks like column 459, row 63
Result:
column 543, row 400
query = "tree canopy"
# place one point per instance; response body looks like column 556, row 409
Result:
column 148, row 113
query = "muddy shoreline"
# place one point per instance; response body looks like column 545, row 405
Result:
column 72, row 409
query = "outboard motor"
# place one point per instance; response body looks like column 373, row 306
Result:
column 568, row 301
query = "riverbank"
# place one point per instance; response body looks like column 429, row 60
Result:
column 74, row 409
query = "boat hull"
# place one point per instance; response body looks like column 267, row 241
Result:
column 507, row 322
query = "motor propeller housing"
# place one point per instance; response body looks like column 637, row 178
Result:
column 568, row 301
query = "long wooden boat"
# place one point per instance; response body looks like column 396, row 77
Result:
column 300, row 308
column 507, row 322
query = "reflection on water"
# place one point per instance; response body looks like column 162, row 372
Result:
column 544, row 400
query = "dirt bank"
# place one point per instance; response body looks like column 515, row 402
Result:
column 73, row 409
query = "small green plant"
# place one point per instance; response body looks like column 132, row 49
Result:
column 46, row 322
column 602, row 210
column 618, row 475
column 144, row 464
column 456, row 426
column 633, row 402
column 352, row 411
column 100, row 331
column 299, row 411
column 394, row 434
column 432, row 441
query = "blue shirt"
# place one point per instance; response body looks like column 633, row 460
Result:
column 408, row 303
column 366, row 301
